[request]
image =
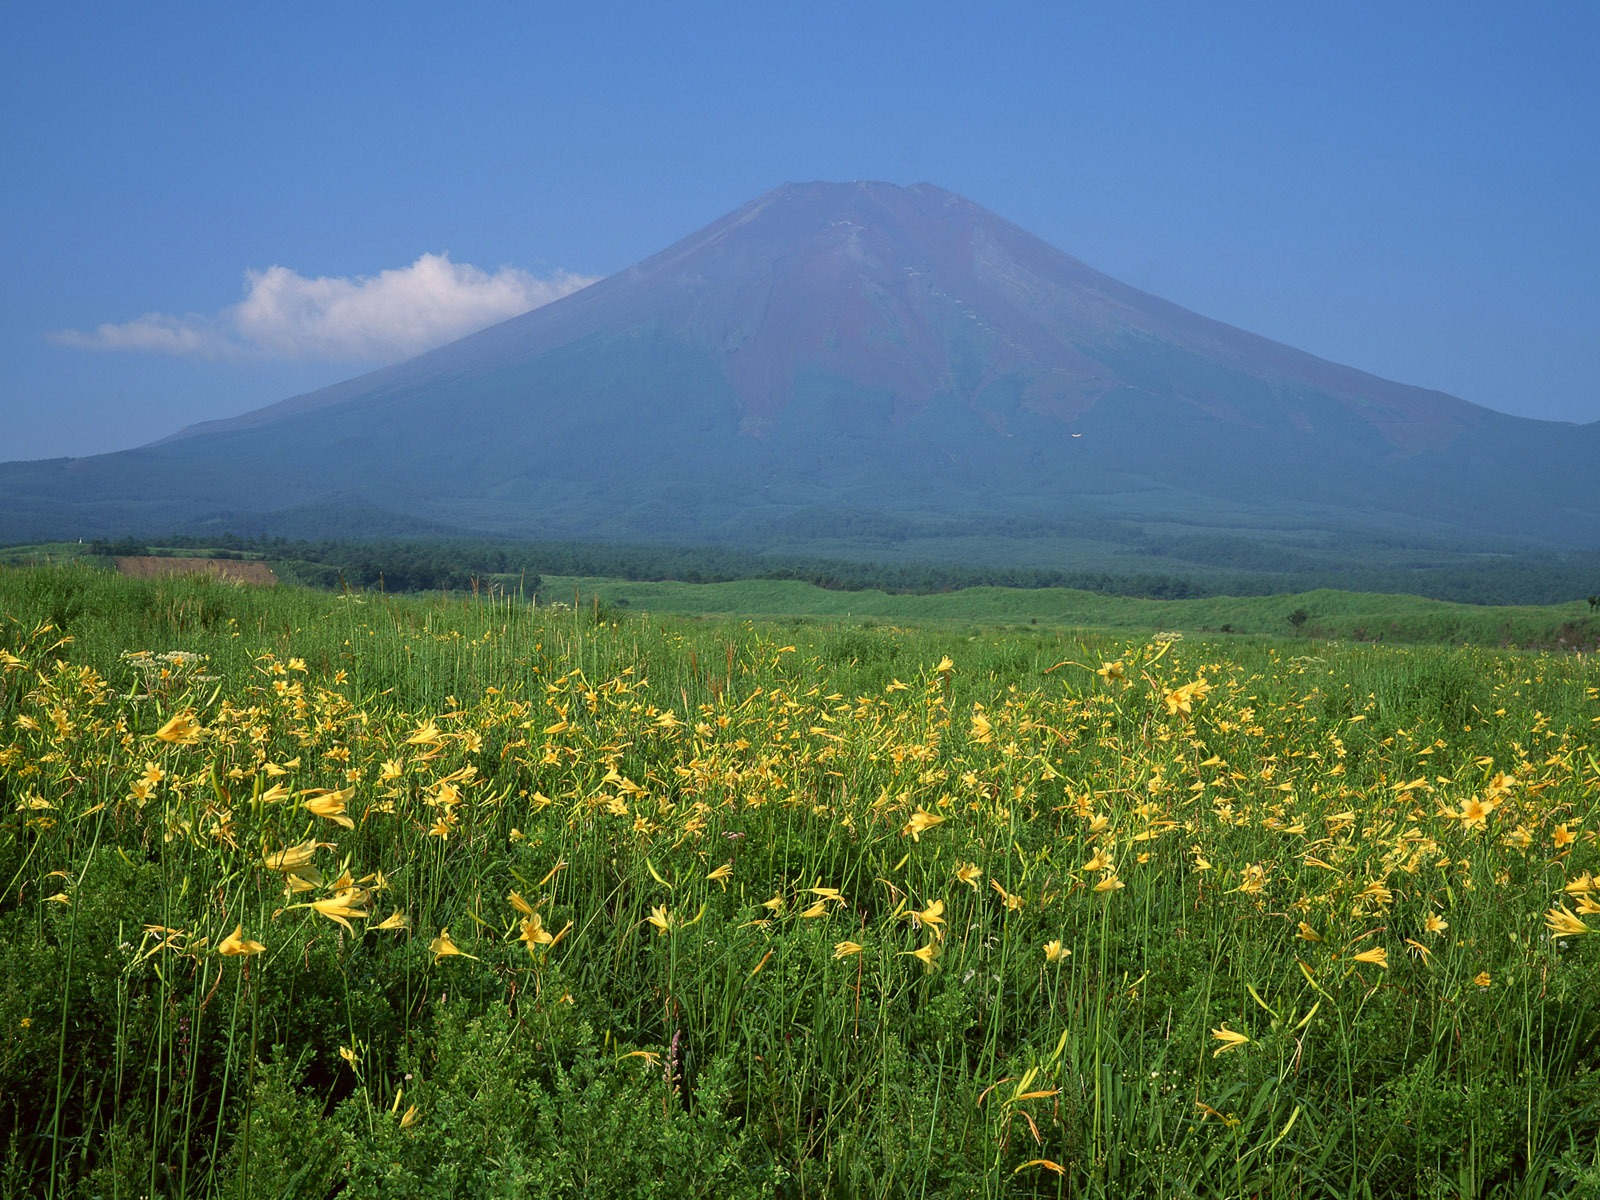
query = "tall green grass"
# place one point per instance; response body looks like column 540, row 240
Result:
column 1014, row 1023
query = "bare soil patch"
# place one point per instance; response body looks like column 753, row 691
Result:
column 235, row 570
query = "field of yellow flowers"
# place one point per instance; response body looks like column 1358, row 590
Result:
column 313, row 895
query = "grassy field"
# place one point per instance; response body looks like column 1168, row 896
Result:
column 311, row 895
column 1319, row 614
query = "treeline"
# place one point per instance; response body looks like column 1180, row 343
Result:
column 391, row 566
column 404, row 565
column 1235, row 567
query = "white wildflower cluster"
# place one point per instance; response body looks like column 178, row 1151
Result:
column 166, row 674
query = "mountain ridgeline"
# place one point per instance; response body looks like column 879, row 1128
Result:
column 861, row 369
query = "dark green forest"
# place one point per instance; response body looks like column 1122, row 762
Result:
column 1190, row 567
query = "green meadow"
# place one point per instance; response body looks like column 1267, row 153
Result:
column 763, row 890
column 1320, row 614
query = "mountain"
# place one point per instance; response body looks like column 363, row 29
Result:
column 837, row 361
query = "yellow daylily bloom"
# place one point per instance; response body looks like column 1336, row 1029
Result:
column 969, row 874
column 721, row 875
column 517, row 902
column 292, row 858
column 1181, row 699
column 1474, row 812
column 181, row 730
column 534, row 933
column 330, row 805
column 1054, row 951
column 926, row 953
column 427, row 734
column 277, row 792
column 920, row 823
column 659, row 918
column 443, row 947
column 1377, row 957
column 343, row 905
column 1041, row 1162
column 846, row 949
column 560, row 866
column 395, row 920
column 1252, row 879
column 1563, row 922
column 933, row 915
column 236, row 945
column 1230, row 1039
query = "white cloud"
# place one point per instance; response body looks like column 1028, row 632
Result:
column 369, row 319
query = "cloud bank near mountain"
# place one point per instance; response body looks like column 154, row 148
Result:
column 374, row 319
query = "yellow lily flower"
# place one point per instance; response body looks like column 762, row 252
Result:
column 1230, row 1039
column 290, row 859
column 181, row 730
column 443, row 947
column 1377, row 957
column 427, row 734
column 1012, row 900
column 1563, row 922
column 342, row 905
column 237, row 945
column 330, row 805
column 1042, row 1162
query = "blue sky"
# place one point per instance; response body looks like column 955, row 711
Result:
column 206, row 208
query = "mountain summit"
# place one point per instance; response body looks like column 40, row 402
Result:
column 836, row 353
